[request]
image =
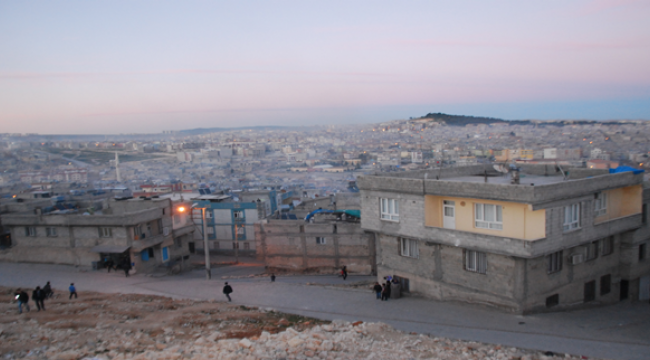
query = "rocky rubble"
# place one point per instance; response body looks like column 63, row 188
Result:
column 119, row 327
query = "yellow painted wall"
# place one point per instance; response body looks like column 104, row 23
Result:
column 519, row 221
column 622, row 202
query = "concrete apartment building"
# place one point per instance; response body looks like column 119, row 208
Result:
column 552, row 241
column 140, row 231
column 324, row 244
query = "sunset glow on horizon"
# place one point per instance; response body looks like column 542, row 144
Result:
column 146, row 66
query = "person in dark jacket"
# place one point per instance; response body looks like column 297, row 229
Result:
column 385, row 292
column 38, row 295
column 23, row 299
column 377, row 288
column 227, row 290
column 47, row 289
column 110, row 264
column 126, row 266
column 344, row 272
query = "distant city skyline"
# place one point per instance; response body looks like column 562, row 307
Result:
column 76, row 67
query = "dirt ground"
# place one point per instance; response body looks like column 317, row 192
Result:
column 118, row 324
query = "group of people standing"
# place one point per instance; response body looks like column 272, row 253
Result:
column 38, row 296
column 383, row 290
column 125, row 264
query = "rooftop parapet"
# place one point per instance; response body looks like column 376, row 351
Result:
column 472, row 182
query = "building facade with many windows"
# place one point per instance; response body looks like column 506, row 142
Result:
column 554, row 240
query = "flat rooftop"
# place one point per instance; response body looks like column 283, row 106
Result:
column 524, row 179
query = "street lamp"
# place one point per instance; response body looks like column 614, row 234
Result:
column 206, row 248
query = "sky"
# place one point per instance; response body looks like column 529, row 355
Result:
column 111, row 67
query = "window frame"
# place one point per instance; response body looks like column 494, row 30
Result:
column 554, row 262
column 105, row 232
column 30, row 231
column 51, row 231
column 238, row 214
column 321, row 240
column 609, row 249
column 591, row 251
column 476, row 261
column 409, row 248
column 388, row 212
column 600, row 204
column 574, row 212
column 480, row 217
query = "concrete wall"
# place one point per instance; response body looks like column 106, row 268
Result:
column 439, row 273
column 290, row 245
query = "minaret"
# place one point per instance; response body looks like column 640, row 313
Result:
column 117, row 167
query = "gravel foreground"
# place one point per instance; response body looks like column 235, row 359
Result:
column 118, row 326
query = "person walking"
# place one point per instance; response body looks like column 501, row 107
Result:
column 47, row 290
column 73, row 291
column 110, row 264
column 23, row 299
column 227, row 289
column 377, row 288
column 126, row 266
column 272, row 277
column 38, row 295
column 344, row 272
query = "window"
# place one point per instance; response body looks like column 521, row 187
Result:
column 105, row 232
column 644, row 213
column 476, row 261
column 238, row 214
column 178, row 242
column 607, row 246
column 592, row 251
column 137, row 232
column 642, row 251
column 590, row 291
column 605, row 284
column 247, row 245
column 30, row 231
column 600, row 204
column 552, row 300
column 409, row 248
column 50, row 231
column 320, row 241
column 390, row 209
column 150, row 251
column 554, row 262
column 571, row 217
column 488, row 216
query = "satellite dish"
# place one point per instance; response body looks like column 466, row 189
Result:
column 500, row 168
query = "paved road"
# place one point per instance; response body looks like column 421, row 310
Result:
column 620, row 331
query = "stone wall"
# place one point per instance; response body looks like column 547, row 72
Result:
column 291, row 245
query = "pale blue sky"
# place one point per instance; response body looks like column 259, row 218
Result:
column 148, row 66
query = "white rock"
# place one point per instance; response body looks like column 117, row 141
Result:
column 245, row 343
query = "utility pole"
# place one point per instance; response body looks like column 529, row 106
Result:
column 206, row 248
column 236, row 243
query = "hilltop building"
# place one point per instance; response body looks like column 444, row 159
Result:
column 538, row 240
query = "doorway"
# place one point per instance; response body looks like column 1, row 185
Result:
column 449, row 214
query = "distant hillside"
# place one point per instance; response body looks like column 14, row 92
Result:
column 210, row 130
column 462, row 120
